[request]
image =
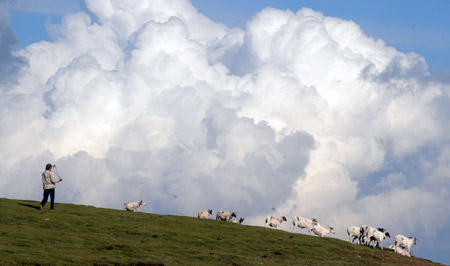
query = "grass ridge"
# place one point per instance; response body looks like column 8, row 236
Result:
column 86, row 235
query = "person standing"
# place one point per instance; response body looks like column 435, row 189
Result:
column 49, row 181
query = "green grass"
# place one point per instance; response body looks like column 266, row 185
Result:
column 85, row 235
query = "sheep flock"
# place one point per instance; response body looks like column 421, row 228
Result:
column 364, row 234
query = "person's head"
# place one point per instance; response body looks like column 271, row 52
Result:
column 48, row 167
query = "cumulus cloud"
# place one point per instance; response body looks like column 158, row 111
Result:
column 291, row 116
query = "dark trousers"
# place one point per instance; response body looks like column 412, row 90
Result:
column 48, row 192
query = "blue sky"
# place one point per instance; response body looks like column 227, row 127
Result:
column 325, row 126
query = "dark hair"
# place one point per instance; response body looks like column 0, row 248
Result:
column 48, row 166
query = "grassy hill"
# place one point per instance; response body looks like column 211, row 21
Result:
column 84, row 235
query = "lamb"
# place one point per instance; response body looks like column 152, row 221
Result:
column 402, row 252
column 398, row 250
column 405, row 242
column 354, row 232
column 133, row 206
column 301, row 222
column 322, row 231
column 378, row 237
column 237, row 221
column 273, row 221
column 204, row 214
column 225, row 216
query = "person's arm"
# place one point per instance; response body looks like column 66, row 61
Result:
column 52, row 178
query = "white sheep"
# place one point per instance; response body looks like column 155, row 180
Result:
column 204, row 214
column 378, row 236
column 133, row 206
column 354, row 232
column 237, row 221
column 225, row 216
column 322, row 231
column 405, row 242
column 301, row 222
column 273, row 221
column 365, row 229
column 398, row 250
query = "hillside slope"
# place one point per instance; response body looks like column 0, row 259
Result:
column 84, row 235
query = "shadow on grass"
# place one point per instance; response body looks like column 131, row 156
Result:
column 29, row 206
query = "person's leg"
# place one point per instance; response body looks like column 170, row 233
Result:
column 45, row 198
column 52, row 199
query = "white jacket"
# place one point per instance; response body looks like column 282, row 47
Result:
column 48, row 179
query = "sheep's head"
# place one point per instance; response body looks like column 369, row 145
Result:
column 314, row 220
column 387, row 234
column 414, row 240
column 210, row 211
column 332, row 230
column 283, row 218
column 233, row 214
column 241, row 220
column 142, row 203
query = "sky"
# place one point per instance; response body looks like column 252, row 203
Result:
column 313, row 108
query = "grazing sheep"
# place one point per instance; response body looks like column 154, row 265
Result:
column 365, row 229
column 405, row 242
column 378, row 237
column 204, row 214
column 133, row 206
column 237, row 221
column 225, row 216
column 273, row 221
column 322, row 231
column 301, row 222
column 354, row 232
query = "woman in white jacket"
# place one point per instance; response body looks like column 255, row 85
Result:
column 49, row 181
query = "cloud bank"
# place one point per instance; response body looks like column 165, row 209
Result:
column 298, row 114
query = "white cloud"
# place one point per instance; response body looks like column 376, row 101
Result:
column 142, row 105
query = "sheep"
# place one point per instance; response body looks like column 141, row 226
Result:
column 401, row 251
column 405, row 242
column 398, row 250
column 225, row 216
column 133, row 206
column 354, row 232
column 365, row 229
column 204, row 214
column 273, row 221
column 301, row 222
column 378, row 237
column 237, row 221
column 322, row 231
